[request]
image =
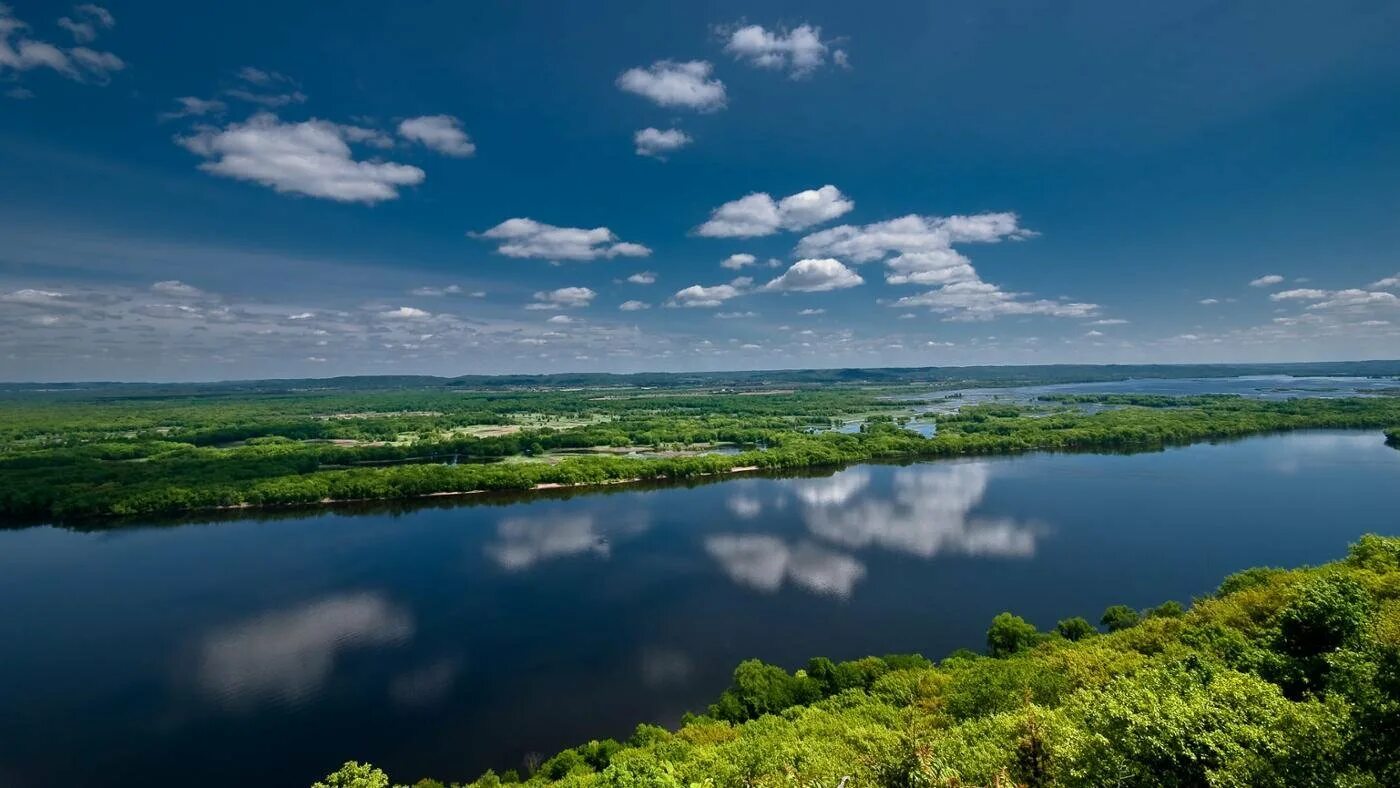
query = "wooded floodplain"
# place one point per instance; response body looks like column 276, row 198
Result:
column 113, row 452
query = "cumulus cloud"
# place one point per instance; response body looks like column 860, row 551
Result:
column 522, row 237
column 312, row 157
column 656, row 143
column 442, row 133
column 1307, row 293
column 1387, row 282
column 676, row 84
column 759, row 214
column 1267, row 280
column 919, row 250
column 19, row 52
column 799, row 51
column 642, row 278
column 709, row 297
column 911, row 234
column 735, row 262
column 406, row 313
column 933, row 267
column 815, row 276
column 812, row 311
column 1351, row 298
column 633, row 306
column 978, row 300
column 174, row 288
column 563, row 298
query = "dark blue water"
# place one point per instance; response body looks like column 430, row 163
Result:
column 445, row 640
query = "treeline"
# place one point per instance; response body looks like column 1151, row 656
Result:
column 1042, row 374
column 159, row 477
column 1280, row 678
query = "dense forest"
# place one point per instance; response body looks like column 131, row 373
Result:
column 935, row 377
column 1279, row 678
column 65, row 460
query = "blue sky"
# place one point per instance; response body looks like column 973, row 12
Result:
column 217, row 191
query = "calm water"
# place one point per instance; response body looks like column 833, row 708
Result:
column 1268, row 387
column 445, row 640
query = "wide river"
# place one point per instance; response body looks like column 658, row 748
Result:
column 443, row 640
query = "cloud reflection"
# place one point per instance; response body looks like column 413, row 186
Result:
column 766, row 562
column 289, row 654
column 522, row 542
column 927, row 513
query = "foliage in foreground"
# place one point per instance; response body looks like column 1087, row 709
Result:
column 1281, row 678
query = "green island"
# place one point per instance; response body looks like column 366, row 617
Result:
column 118, row 452
column 1279, row 678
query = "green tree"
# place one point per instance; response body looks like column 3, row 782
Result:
column 354, row 775
column 1075, row 628
column 1119, row 617
column 1009, row 634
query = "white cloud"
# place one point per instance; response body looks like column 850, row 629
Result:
column 528, row 238
column 19, row 52
column 432, row 292
column 676, row 84
column 709, row 297
column 642, row 278
column 933, row 267
column 177, row 289
column 563, row 298
column 442, row 133
column 1266, row 280
column 560, row 320
column 193, row 106
column 406, row 313
column 1208, row 301
column 734, row 315
column 815, row 276
column 1389, row 281
column 633, row 306
column 89, row 18
column 312, row 157
column 978, row 300
column 656, row 143
column 1302, row 293
column 799, row 51
column 812, row 311
column 759, row 214
column 735, row 262
column 1109, row 321
column 911, row 234
column 263, row 80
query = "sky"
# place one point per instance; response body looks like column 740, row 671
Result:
column 249, row 190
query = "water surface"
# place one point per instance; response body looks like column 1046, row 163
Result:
column 441, row 641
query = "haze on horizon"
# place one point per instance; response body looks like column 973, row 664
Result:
column 496, row 188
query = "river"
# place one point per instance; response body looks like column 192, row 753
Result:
column 443, row 639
